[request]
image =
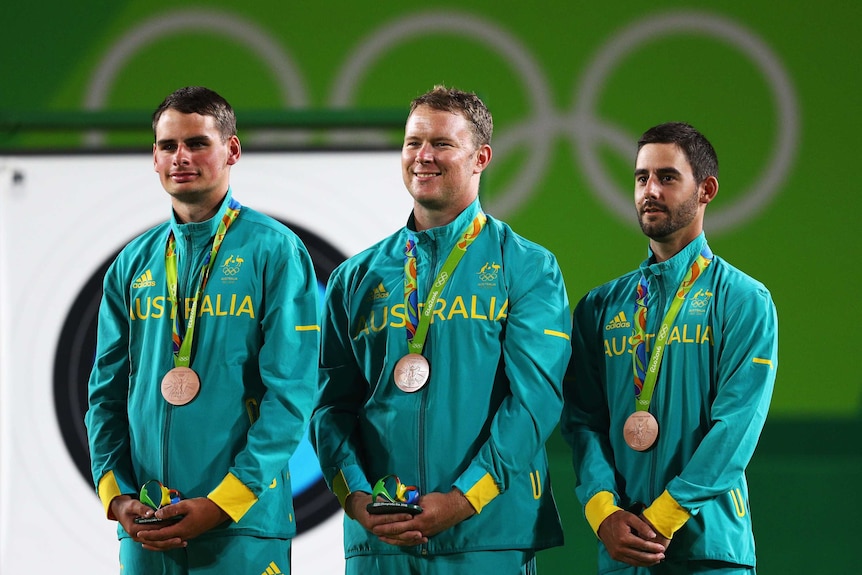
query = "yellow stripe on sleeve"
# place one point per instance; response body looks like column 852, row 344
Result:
column 307, row 328
column 763, row 361
column 557, row 334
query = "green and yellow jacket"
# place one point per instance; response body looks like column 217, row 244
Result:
column 255, row 350
column 498, row 346
column 711, row 398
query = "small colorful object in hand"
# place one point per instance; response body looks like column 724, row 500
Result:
column 156, row 495
column 403, row 493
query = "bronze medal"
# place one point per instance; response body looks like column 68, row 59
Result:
column 640, row 430
column 180, row 385
column 411, row 372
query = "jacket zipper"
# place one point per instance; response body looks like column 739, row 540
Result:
column 181, row 309
column 662, row 299
column 429, row 282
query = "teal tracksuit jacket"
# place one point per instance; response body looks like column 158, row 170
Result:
column 498, row 348
column 255, row 349
column 711, row 399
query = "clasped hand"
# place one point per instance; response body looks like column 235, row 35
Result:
column 631, row 539
column 199, row 515
column 440, row 511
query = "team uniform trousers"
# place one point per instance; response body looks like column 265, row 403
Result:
column 476, row 562
column 209, row 556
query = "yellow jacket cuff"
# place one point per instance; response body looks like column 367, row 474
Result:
column 108, row 489
column 666, row 515
column 340, row 488
column 598, row 508
column 233, row 497
column 482, row 492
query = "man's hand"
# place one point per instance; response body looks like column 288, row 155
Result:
column 659, row 538
column 126, row 509
column 397, row 524
column 199, row 516
column 632, row 540
column 440, row 511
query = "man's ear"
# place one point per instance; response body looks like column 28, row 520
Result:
column 708, row 189
column 483, row 158
column 234, row 150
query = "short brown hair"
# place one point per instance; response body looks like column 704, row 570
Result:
column 467, row 104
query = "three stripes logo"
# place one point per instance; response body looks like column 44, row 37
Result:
column 379, row 292
column 272, row 569
column 146, row 280
column 619, row 321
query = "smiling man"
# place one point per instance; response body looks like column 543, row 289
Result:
column 444, row 348
column 671, row 377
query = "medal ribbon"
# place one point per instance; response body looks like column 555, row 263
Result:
column 417, row 325
column 411, row 294
column 645, row 375
column 183, row 345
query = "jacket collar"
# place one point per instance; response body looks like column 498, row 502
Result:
column 674, row 269
column 449, row 233
column 205, row 229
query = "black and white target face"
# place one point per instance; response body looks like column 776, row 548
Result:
column 64, row 219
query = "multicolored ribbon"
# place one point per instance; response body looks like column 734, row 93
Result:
column 183, row 343
column 638, row 339
column 645, row 375
column 411, row 293
column 417, row 324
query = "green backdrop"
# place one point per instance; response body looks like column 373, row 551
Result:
column 571, row 86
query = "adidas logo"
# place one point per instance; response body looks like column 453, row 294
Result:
column 619, row 321
column 379, row 292
column 272, row 569
column 146, row 280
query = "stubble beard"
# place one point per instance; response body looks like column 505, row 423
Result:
column 673, row 221
column 434, row 199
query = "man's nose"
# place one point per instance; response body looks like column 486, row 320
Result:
column 424, row 154
column 652, row 187
column 181, row 156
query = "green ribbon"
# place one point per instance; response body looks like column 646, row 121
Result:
column 643, row 399
column 417, row 342
column 183, row 345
